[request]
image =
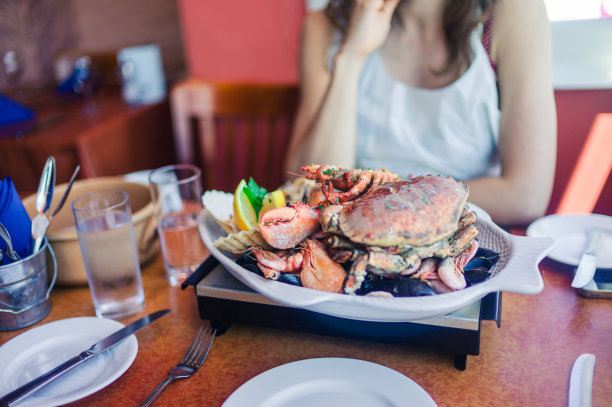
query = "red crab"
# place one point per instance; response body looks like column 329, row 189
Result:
column 388, row 226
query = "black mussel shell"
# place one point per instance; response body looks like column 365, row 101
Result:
column 289, row 278
column 249, row 264
column 476, row 275
column 412, row 287
column 479, row 269
column 247, row 257
column 479, row 263
column 488, row 254
column 399, row 287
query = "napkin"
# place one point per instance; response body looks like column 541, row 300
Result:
column 12, row 112
column 15, row 219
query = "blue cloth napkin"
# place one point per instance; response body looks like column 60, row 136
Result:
column 12, row 112
column 15, row 219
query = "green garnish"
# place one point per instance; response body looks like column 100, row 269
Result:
column 256, row 194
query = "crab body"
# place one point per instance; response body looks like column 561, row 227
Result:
column 416, row 212
column 393, row 226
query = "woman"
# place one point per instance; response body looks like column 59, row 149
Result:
column 408, row 85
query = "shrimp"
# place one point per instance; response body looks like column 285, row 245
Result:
column 450, row 274
column 319, row 271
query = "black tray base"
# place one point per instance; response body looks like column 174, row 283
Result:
column 222, row 312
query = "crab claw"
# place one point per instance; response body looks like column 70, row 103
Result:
column 284, row 228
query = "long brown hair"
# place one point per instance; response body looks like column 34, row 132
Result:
column 460, row 18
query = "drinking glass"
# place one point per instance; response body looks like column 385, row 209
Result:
column 176, row 191
column 108, row 246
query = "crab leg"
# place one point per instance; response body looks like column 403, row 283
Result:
column 335, row 198
column 353, row 182
column 463, row 239
column 356, row 275
column 339, row 177
column 382, row 263
column 463, row 258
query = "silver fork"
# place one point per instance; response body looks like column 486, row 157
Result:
column 191, row 362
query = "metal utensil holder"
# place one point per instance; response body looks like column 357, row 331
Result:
column 28, row 277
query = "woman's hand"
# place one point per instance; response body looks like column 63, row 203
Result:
column 368, row 26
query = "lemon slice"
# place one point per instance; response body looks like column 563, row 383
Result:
column 245, row 215
column 274, row 199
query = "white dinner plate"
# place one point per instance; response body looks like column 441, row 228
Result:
column 569, row 232
column 40, row 349
column 516, row 271
column 330, row 382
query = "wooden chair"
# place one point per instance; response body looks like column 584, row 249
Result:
column 592, row 169
column 233, row 130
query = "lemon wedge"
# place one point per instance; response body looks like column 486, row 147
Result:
column 245, row 215
column 274, row 199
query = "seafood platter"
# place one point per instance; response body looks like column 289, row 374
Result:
column 367, row 245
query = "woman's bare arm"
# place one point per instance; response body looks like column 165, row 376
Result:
column 324, row 130
column 527, row 140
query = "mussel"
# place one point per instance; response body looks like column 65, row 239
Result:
column 398, row 287
column 289, row 278
column 479, row 268
column 248, row 263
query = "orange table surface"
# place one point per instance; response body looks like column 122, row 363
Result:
column 525, row 362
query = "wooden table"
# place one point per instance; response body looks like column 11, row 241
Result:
column 526, row 362
column 111, row 139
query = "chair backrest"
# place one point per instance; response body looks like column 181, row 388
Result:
column 592, row 169
column 233, row 130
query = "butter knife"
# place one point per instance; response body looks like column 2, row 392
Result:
column 95, row 350
column 581, row 381
column 587, row 266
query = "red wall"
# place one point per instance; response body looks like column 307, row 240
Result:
column 242, row 40
column 576, row 110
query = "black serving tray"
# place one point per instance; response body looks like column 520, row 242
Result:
column 224, row 300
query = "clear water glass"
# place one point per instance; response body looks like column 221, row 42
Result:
column 177, row 191
column 108, row 246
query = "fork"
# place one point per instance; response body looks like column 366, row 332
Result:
column 191, row 362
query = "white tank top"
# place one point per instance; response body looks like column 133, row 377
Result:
column 450, row 131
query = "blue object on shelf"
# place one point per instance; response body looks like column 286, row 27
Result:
column 12, row 112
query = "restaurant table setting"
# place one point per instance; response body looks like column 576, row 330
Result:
column 584, row 242
column 257, row 359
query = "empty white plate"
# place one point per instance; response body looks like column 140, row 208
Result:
column 330, row 382
column 35, row 352
column 569, row 232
